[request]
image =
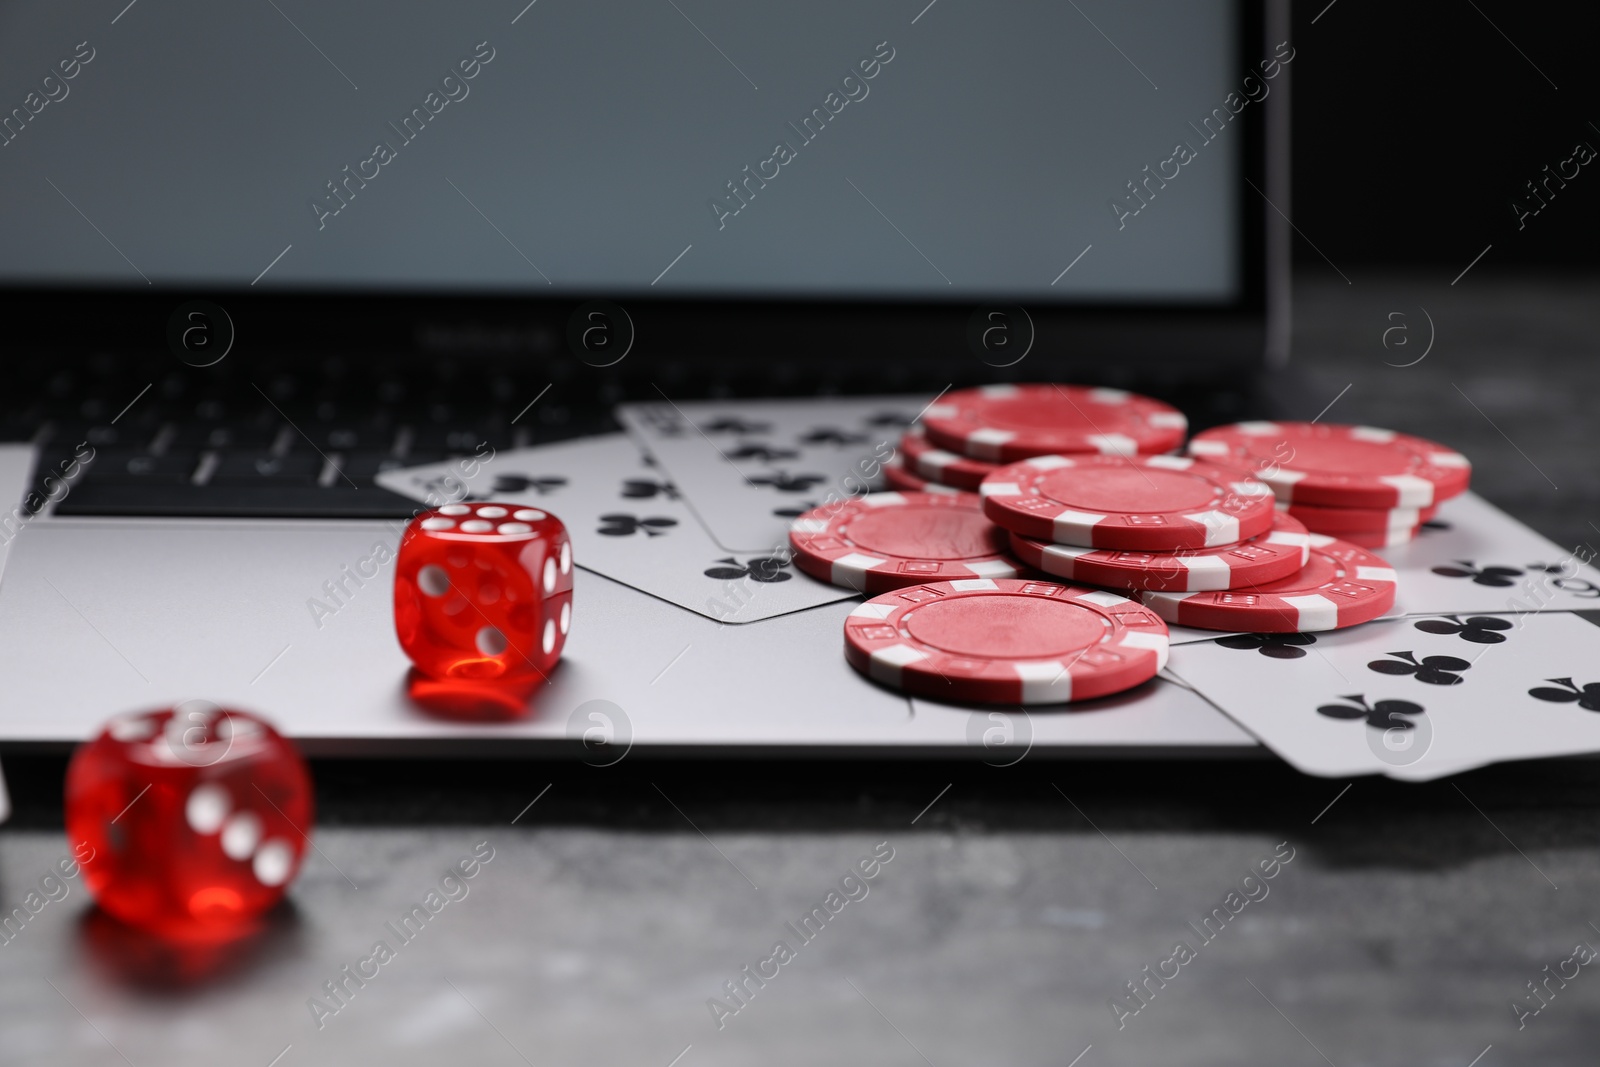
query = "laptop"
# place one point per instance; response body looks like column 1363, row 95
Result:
column 247, row 284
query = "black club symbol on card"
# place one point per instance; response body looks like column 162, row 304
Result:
column 794, row 511
column 784, row 482
column 1586, row 697
column 733, row 425
column 621, row 525
column 522, row 483
column 1479, row 629
column 1499, row 577
column 1568, row 583
column 648, row 489
column 829, row 435
column 1435, row 670
column 763, row 453
column 1273, row 646
column 888, row 419
column 1381, row 715
column 763, row 569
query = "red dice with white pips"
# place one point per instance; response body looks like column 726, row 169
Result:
column 188, row 822
column 484, row 592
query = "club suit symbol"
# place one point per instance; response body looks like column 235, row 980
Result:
column 648, row 489
column 1478, row 629
column 1273, row 646
column 619, row 524
column 762, row 453
column 785, row 482
column 1498, row 577
column 731, row 424
column 762, row 569
column 1586, row 697
column 831, row 435
column 522, row 483
column 1382, row 714
column 1434, row 670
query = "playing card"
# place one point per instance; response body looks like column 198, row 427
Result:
column 627, row 522
column 1475, row 557
column 749, row 467
column 1413, row 698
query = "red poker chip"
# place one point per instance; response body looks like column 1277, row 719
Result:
column 1148, row 503
column 1279, row 553
column 886, row 541
column 901, row 480
column 1338, row 521
column 1339, row 466
column 1382, row 538
column 1005, row 642
column 936, row 465
column 1005, row 423
column 1340, row 586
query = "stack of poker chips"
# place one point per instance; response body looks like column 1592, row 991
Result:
column 1003, row 482
column 1368, row 486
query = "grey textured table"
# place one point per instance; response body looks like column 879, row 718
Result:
column 1018, row 903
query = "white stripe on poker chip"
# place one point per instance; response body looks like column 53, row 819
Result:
column 998, row 390
column 1221, row 528
column 1000, row 489
column 1413, row 492
column 1105, row 600
column 1284, row 537
column 1044, row 682
column 1160, row 644
column 1281, row 479
column 885, row 664
column 1114, row 444
column 1376, row 574
column 1257, row 429
column 809, row 526
column 1169, row 420
column 992, row 568
column 973, row 583
column 1198, row 567
column 1104, row 395
column 852, row 570
column 938, row 459
column 869, row 610
column 1049, row 463
column 1067, row 555
column 1375, row 434
column 985, row 443
column 1171, row 463
column 1207, row 448
column 1076, row 526
column 1314, row 612
column 1448, row 459
column 939, row 411
column 883, row 500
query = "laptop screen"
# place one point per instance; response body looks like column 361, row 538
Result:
column 1061, row 152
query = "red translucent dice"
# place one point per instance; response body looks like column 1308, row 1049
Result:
column 484, row 591
column 196, row 816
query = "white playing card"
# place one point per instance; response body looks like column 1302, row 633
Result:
column 627, row 522
column 1475, row 557
column 748, row 467
column 1414, row 698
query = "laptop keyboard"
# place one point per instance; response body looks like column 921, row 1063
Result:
column 269, row 439
column 276, row 443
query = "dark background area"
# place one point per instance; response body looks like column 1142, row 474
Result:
column 1416, row 124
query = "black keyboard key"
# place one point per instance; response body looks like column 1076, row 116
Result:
column 255, row 468
column 116, row 465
